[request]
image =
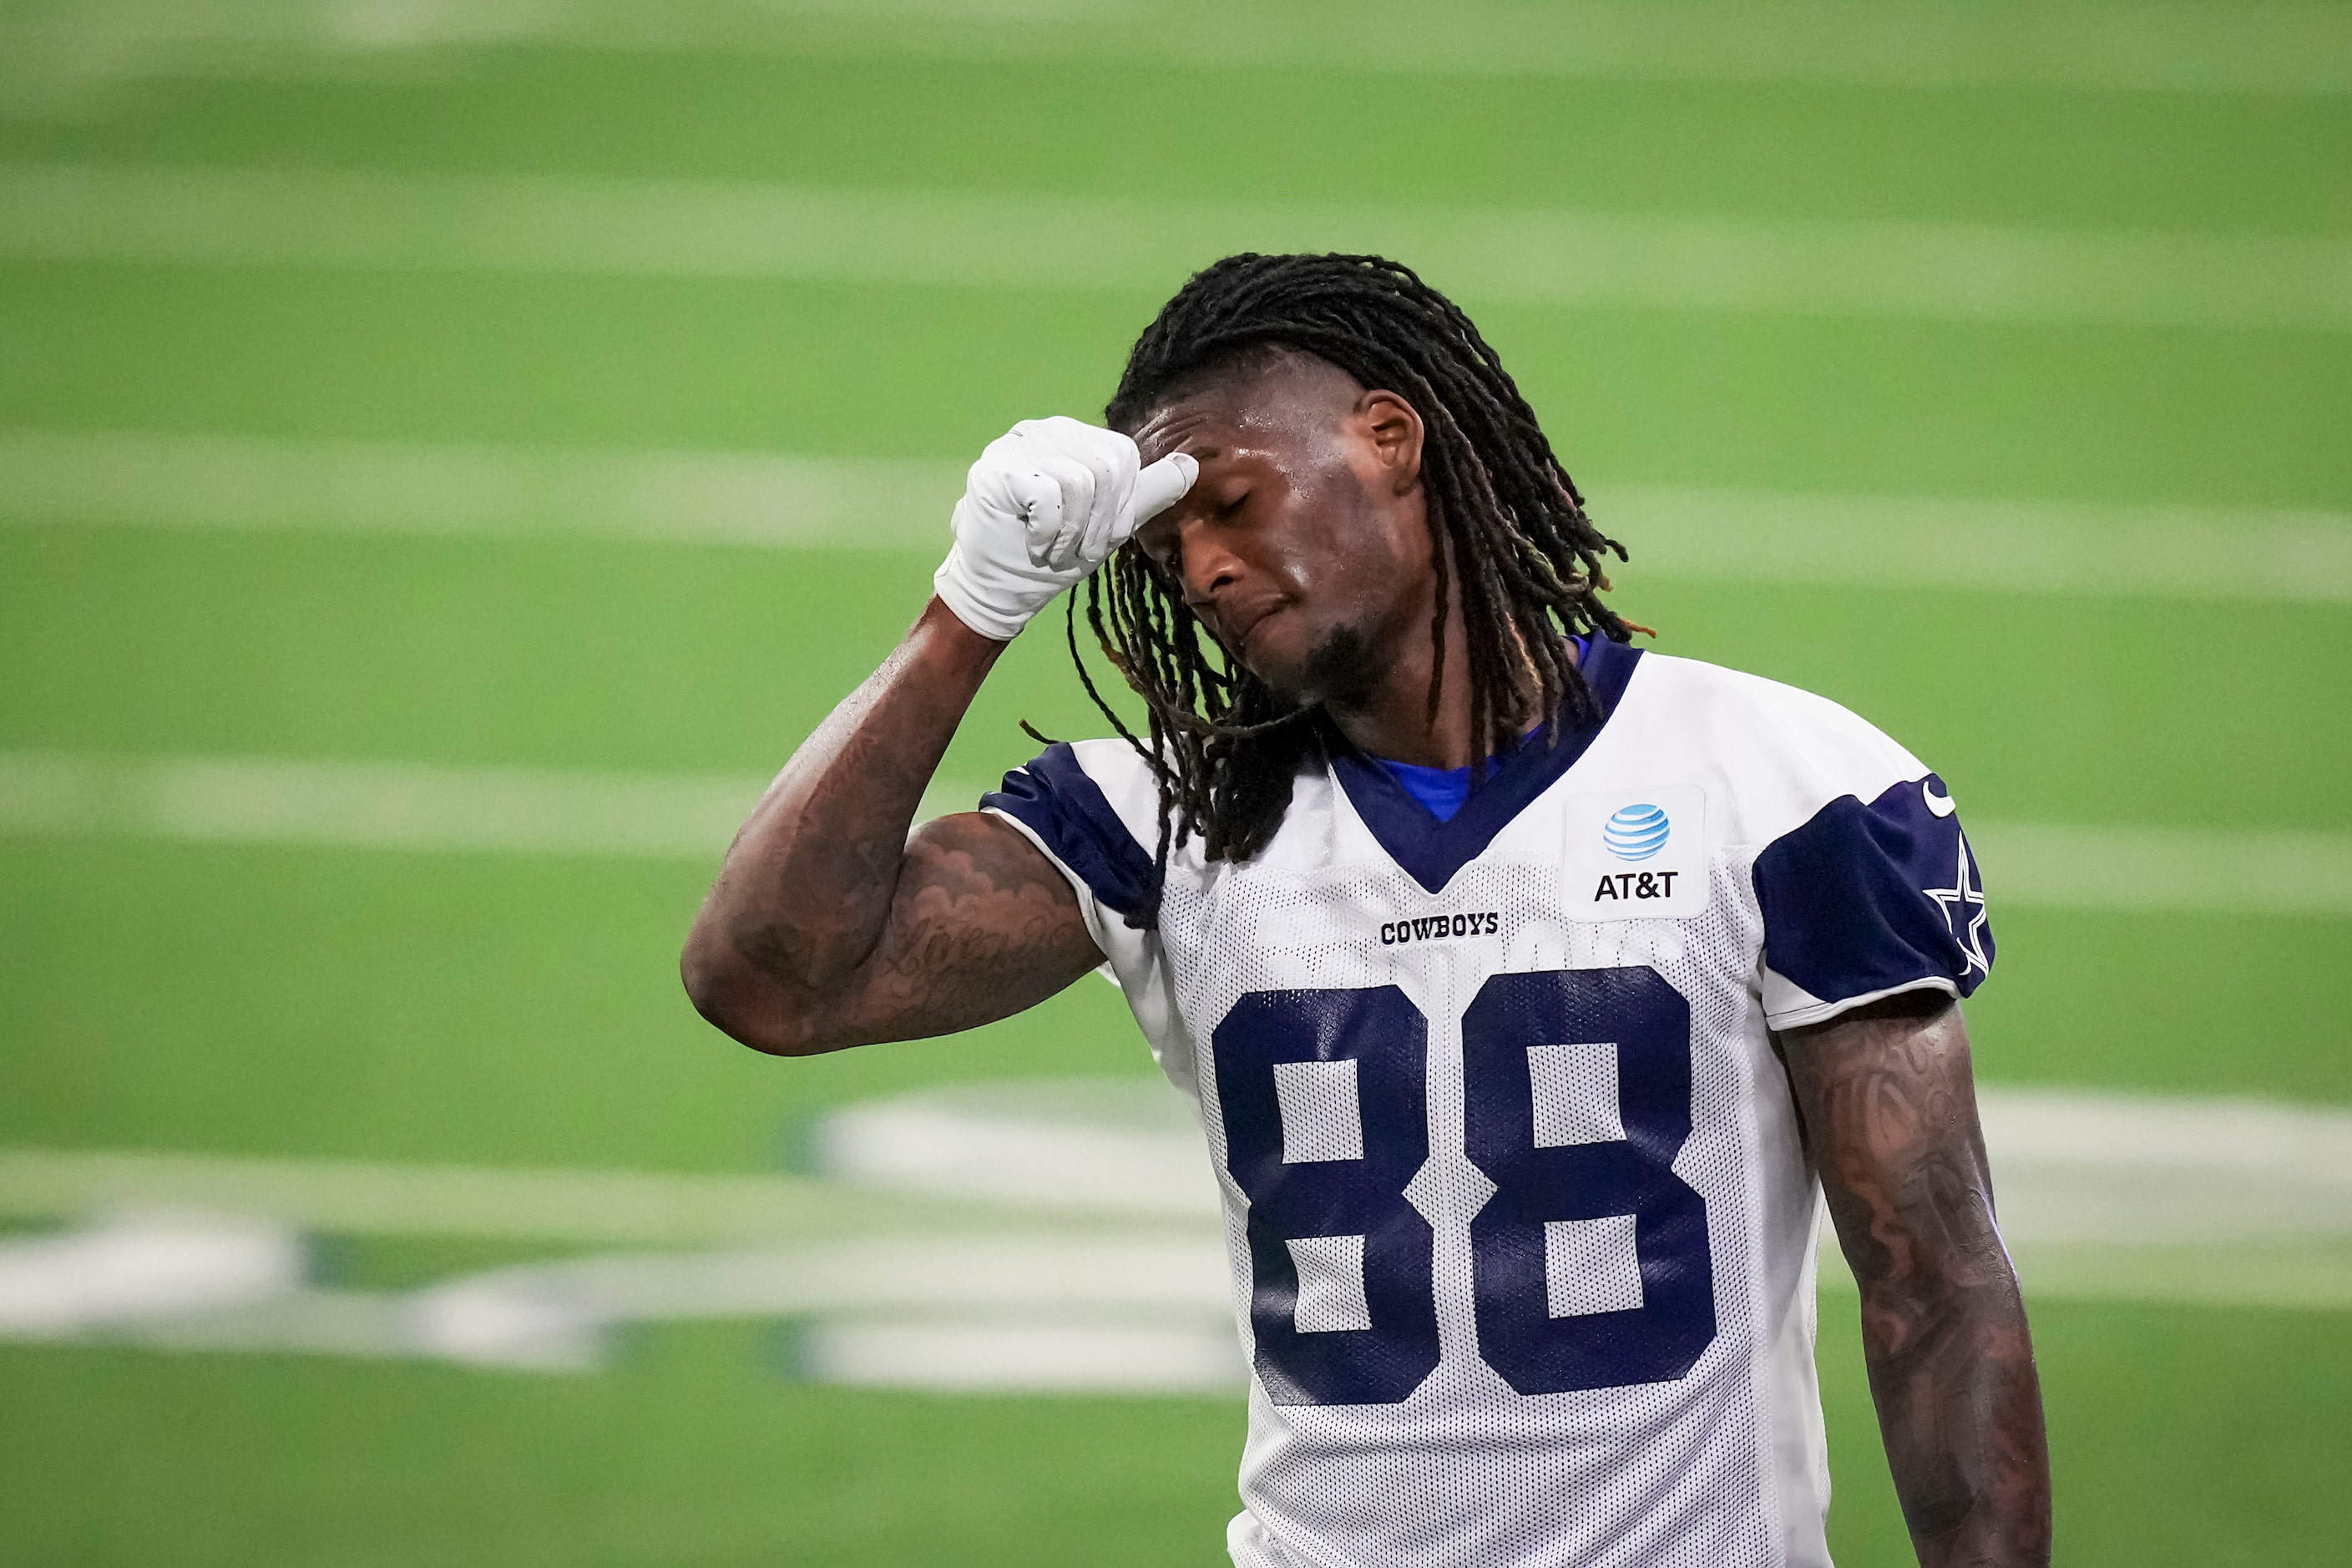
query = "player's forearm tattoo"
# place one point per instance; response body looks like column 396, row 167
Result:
column 1889, row 1109
column 828, row 926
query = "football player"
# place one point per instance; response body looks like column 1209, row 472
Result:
column 1533, row 988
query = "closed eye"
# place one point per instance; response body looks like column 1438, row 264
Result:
column 1161, row 547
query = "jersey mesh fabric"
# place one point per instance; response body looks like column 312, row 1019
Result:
column 1322, row 1116
column 1575, row 1093
column 1467, row 1469
column 1469, row 1452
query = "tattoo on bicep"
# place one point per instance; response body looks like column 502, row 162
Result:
column 1893, row 1132
column 1890, row 1114
column 982, row 926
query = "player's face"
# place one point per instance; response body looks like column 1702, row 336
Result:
column 1304, row 545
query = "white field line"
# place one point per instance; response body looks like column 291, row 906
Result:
column 249, row 218
column 2074, row 1166
column 631, row 1208
column 2101, row 1195
column 416, row 807
column 2257, row 47
column 264, row 484
column 336, row 487
column 2166, row 868
column 376, row 805
column 391, row 806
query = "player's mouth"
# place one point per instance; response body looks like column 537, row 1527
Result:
column 1240, row 623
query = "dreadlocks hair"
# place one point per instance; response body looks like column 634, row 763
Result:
column 1505, row 521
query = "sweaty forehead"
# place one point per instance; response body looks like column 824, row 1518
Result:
column 1274, row 401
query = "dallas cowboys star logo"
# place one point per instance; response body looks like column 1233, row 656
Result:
column 1963, row 905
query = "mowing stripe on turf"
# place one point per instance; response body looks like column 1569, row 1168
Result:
column 2258, row 47
column 258, row 483
column 417, row 807
column 248, row 217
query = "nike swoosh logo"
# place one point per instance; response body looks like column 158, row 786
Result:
column 1938, row 805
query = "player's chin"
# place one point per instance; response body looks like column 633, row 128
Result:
column 1305, row 665
column 1278, row 657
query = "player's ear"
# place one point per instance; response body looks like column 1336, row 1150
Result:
column 1395, row 429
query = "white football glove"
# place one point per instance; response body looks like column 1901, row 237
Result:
column 1047, row 504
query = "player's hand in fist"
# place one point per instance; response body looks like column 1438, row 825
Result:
column 1047, row 504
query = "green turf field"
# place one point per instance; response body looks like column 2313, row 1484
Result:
column 2089, row 264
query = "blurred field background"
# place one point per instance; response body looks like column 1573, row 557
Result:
column 450, row 453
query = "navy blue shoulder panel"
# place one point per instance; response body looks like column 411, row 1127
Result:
column 1055, row 799
column 1431, row 851
column 1867, row 898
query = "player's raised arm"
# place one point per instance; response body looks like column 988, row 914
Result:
column 1889, row 1108
column 829, row 925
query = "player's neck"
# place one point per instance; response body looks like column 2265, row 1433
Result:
column 1394, row 719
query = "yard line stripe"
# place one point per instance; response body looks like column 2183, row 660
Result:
column 377, row 805
column 421, row 808
column 2285, row 50
column 2167, row 868
column 2256, row 48
column 370, row 1199
column 261, row 484
column 2004, row 546
column 249, row 218
column 391, row 806
column 2103, row 1195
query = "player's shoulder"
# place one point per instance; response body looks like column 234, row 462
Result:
column 1111, row 765
column 1756, row 713
column 1863, row 877
column 1776, row 753
column 1094, row 806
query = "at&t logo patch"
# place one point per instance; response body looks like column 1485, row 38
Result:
column 1636, row 854
column 1636, row 832
column 1631, row 886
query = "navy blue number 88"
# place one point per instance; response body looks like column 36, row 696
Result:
column 1386, row 1038
column 1633, row 1012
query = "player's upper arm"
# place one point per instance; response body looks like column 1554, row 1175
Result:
column 1865, row 881
column 1886, row 1097
column 982, row 926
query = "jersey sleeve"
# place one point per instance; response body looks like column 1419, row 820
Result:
column 1094, row 809
column 1066, row 811
column 1867, row 898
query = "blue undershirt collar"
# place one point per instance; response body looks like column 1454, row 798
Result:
column 1442, row 791
column 1431, row 821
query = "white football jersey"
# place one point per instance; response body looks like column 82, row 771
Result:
column 1521, row 1224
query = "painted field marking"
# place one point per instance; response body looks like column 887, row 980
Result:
column 632, row 1208
column 2166, row 868
column 268, row 485
column 427, row 809
column 2075, row 1167
column 1101, row 1264
column 260, row 484
column 1996, row 546
column 2256, row 49
column 392, row 805
column 376, row 805
column 291, row 218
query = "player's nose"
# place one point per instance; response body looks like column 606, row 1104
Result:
column 1209, row 565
